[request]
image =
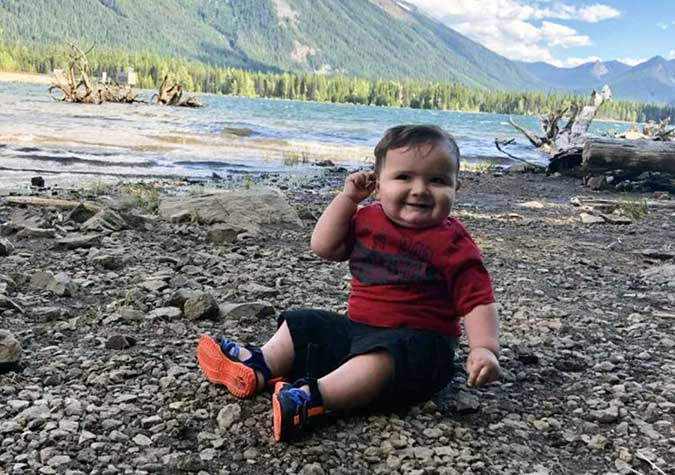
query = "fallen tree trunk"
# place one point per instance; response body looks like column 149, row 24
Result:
column 603, row 154
column 595, row 202
column 49, row 202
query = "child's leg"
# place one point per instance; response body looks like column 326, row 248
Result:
column 358, row 382
column 278, row 353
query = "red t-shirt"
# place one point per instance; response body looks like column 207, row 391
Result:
column 416, row 278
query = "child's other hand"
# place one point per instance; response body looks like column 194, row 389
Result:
column 359, row 186
column 481, row 366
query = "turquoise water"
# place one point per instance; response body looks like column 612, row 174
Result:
column 228, row 135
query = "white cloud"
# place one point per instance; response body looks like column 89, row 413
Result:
column 632, row 61
column 560, row 35
column 596, row 13
column 671, row 54
column 518, row 29
column 662, row 25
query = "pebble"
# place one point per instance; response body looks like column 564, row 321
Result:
column 227, row 416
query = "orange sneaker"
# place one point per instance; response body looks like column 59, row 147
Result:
column 219, row 361
column 293, row 410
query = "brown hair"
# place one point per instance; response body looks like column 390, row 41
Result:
column 412, row 136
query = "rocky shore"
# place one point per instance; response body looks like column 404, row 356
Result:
column 101, row 307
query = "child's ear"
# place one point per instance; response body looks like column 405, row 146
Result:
column 377, row 188
column 458, row 185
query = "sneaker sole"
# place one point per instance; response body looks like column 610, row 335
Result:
column 240, row 380
column 276, row 411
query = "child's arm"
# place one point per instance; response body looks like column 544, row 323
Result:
column 329, row 239
column 482, row 330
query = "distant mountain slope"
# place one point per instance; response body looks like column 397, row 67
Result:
column 370, row 38
column 651, row 81
column 579, row 77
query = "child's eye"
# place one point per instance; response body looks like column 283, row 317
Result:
column 402, row 176
column 439, row 180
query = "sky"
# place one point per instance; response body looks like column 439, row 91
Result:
column 564, row 33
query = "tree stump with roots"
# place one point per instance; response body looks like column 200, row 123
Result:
column 75, row 84
column 171, row 94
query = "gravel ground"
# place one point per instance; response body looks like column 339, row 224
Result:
column 108, row 383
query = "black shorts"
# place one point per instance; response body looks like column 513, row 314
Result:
column 325, row 340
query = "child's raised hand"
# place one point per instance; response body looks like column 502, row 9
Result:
column 481, row 367
column 359, row 186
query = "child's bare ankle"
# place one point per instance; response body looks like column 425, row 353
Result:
column 244, row 353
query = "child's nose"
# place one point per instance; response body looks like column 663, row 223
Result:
column 419, row 187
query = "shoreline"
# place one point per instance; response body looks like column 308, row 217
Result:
column 25, row 78
column 38, row 78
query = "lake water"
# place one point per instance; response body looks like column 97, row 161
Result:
column 74, row 143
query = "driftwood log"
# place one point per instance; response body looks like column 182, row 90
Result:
column 572, row 135
column 49, row 202
column 651, row 130
column 619, row 163
column 564, row 144
column 628, row 165
column 171, row 94
column 604, row 154
column 75, row 84
column 607, row 204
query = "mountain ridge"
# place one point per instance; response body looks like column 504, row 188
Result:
column 650, row 81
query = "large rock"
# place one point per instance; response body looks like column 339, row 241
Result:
column 200, row 306
column 41, row 280
column 79, row 214
column 105, row 220
column 78, row 241
column 28, row 233
column 660, row 274
column 10, row 350
column 246, row 310
column 223, row 233
column 107, row 261
column 452, row 399
column 27, row 218
column 62, row 285
column 6, row 247
column 247, row 209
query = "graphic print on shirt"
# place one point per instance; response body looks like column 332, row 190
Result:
column 374, row 266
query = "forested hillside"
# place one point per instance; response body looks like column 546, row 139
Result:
column 373, row 39
column 198, row 77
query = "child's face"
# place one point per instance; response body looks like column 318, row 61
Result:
column 417, row 185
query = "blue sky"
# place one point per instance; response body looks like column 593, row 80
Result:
column 564, row 33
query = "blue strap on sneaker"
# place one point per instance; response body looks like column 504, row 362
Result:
column 315, row 398
column 228, row 347
column 256, row 361
column 298, row 396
